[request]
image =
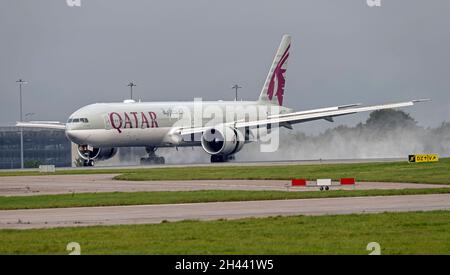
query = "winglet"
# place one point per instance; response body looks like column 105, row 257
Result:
column 421, row 100
column 349, row 105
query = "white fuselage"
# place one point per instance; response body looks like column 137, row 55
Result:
column 136, row 124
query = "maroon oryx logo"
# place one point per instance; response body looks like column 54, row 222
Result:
column 279, row 74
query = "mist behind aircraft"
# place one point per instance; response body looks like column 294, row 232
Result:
column 365, row 140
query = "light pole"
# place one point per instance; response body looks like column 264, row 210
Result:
column 21, row 82
column 236, row 87
column 131, row 85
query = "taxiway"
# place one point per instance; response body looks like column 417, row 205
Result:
column 94, row 183
column 140, row 214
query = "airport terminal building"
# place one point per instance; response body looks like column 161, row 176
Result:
column 41, row 146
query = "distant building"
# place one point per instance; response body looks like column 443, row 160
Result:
column 41, row 146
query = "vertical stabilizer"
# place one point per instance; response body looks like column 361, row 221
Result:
column 273, row 89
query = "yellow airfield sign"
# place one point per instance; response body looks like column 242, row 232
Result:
column 423, row 158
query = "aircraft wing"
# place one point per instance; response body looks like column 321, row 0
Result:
column 303, row 116
column 42, row 124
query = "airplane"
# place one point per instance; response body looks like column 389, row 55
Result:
column 99, row 129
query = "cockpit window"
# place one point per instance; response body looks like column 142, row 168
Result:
column 75, row 120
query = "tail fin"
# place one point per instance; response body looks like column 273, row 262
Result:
column 274, row 85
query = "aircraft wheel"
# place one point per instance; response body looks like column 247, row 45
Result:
column 327, row 188
column 160, row 160
column 321, row 188
column 144, row 161
column 155, row 160
column 217, row 158
column 221, row 158
column 89, row 163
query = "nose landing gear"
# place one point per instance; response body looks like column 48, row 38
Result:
column 85, row 155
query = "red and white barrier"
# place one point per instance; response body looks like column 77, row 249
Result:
column 322, row 183
column 346, row 181
column 298, row 182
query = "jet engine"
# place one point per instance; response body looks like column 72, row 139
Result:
column 89, row 154
column 222, row 141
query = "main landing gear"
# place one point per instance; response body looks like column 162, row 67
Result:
column 152, row 157
column 221, row 158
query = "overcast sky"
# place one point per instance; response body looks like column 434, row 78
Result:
column 342, row 52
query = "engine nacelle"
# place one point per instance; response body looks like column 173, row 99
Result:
column 222, row 141
column 87, row 153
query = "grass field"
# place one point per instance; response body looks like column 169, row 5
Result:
column 385, row 171
column 397, row 233
column 140, row 198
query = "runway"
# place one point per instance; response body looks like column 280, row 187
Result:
column 113, row 215
column 99, row 166
column 69, row 184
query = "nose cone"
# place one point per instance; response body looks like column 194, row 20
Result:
column 76, row 136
